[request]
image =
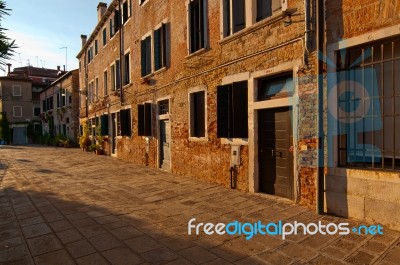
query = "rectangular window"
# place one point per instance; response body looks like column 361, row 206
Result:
column 196, row 25
column 234, row 16
column 197, row 114
column 160, row 47
column 368, row 106
column 275, row 86
column 127, row 69
column 17, row 91
column 17, row 111
column 36, row 111
column 113, row 77
column 163, row 107
column 96, row 47
column 104, row 36
column 145, row 119
column 126, row 10
column 232, row 111
column 105, row 83
column 125, row 117
column 44, row 105
column 146, row 56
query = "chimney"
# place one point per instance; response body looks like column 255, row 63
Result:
column 101, row 9
column 9, row 68
column 64, row 67
column 84, row 39
column 58, row 68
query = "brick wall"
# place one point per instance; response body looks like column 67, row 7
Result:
column 257, row 48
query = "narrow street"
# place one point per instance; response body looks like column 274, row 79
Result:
column 65, row 206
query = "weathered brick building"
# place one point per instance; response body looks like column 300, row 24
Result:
column 363, row 92
column 20, row 98
column 60, row 103
column 223, row 91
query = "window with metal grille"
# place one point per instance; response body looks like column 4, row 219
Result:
column 368, row 96
column 232, row 110
column 163, row 107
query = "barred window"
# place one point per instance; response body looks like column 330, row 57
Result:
column 368, row 90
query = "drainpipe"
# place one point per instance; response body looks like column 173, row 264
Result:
column 320, row 182
column 121, row 51
column 307, row 31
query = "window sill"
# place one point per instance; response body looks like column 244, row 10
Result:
column 234, row 141
column 162, row 69
column 198, row 52
column 267, row 21
column 146, row 78
column 126, row 85
column 198, row 139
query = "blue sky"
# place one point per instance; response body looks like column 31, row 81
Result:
column 41, row 27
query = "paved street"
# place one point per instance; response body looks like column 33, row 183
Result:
column 64, row 206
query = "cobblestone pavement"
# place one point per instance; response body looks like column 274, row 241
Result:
column 64, row 206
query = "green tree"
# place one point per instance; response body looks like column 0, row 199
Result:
column 5, row 132
column 7, row 46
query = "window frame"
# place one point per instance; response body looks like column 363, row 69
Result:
column 105, row 82
column 203, row 42
column 14, row 90
column 160, row 53
column 127, row 77
column 104, row 36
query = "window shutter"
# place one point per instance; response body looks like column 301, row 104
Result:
column 157, row 49
column 148, row 55
column 140, row 120
column 143, row 57
column 240, row 110
column 191, row 27
column 128, row 123
column 104, row 124
column 111, row 28
column 263, row 9
column 118, row 75
column 125, row 11
column 201, row 24
column 147, row 119
column 276, row 5
column 122, row 116
column 227, row 18
column 163, row 45
column 223, row 130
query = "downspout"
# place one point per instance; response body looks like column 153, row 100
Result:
column 320, row 182
column 307, row 31
column 121, row 47
column 86, row 86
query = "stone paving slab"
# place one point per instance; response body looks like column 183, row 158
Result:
column 64, row 206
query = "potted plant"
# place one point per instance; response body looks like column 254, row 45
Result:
column 84, row 140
